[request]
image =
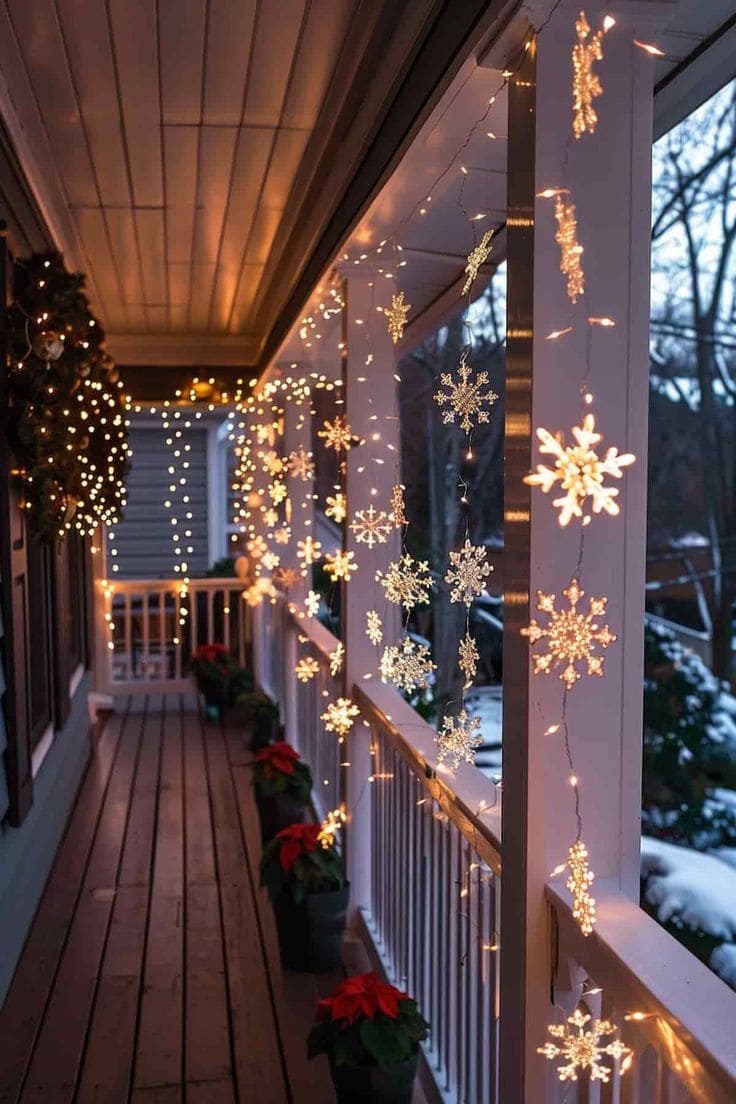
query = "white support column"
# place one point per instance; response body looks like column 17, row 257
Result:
column 371, row 409
column 608, row 176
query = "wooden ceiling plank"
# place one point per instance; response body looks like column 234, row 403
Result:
column 180, row 277
column 216, row 157
column 265, row 225
column 181, row 25
column 287, row 155
column 136, row 57
column 203, row 278
column 150, row 226
column 320, row 46
column 250, row 278
column 86, row 33
column 180, row 174
column 179, row 317
column 124, row 244
column 251, row 163
column 93, row 232
column 229, row 39
column 277, row 34
column 223, row 296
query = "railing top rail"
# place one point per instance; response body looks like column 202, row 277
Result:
column 320, row 637
column 467, row 797
column 689, row 1011
column 139, row 586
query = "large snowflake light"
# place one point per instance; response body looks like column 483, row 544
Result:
column 340, row 565
column 396, row 316
column 458, row 738
column 407, row 582
column 300, row 464
column 408, row 665
column 476, row 258
column 277, row 492
column 467, row 573
column 571, row 637
column 339, row 716
column 337, row 434
column 371, row 526
column 580, row 471
column 583, row 1047
column 465, row 398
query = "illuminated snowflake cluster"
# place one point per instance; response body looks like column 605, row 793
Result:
column 583, row 1047
column 277, row 491
column 465, row 398
column 270, row 517
column 272, row 462
column 300, row 464
column 571, row 637
column 571, row 250
column 579, row 471
column 458, row 738
column 270, row 560
column 257, row 547
column 339, row 716
column 467, row 659
column 408, row 665
column 336, row 507
column 306, row 669
column 476, row 258
column 340, row 565
column 283, row 534
column 407, row 582
column 286, row 578
column 309, row 550
column 337, row 434
column 396, row 316
column 580, row 878
column 467, row 573
column 337, row 658
column 312, row 603
column 371, row 526
column 374, row 627
column 586, row 85
column 398, row 510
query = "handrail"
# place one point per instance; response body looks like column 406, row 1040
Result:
column 687, row 1012
column 316, row 633
column 467, row 797
column 135, row 586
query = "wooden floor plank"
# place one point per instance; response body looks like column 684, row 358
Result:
column 258, row 1061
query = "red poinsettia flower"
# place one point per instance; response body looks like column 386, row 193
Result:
column 210, row 653
column 279, row 757
column 361, row 997
column 296, row 840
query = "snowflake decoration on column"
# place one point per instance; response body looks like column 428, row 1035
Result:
column 398, row 509
column 408, row 665
column 300, row 464
column 571, row 637
column 283, row 534
column 336, row 659
column 476, row 258
column 586, row 84
column 397, row 315
column 374, row 627
column 308, row 550
column 337, row 434
column 407, row 582
column 581, row 877
column 467, row 659
column 339, row 716
column 286, row 578
column 277, row 492
column 257, row 547
column 270, row 560
column 467, row 400
column 371, row 526
column 306, row 669
column 584, row 1050
column 340, row 565
column 458, row 738
column 312, row 603
column 467, row 573
column 336, row 507
column 570, row 248
column 272, row 462
column 580, row 471
column 270, row 517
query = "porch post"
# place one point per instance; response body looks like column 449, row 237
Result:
column 372, row 412
column 608, row 177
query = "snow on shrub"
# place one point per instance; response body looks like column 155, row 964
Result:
column 689, row 890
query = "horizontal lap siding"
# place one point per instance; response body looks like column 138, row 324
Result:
column 143, row 538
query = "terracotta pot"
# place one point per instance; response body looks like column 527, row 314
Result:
column 310, row 931
column 372, row 1085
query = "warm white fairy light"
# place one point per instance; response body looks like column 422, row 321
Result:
column 374, row 627
column 398, row 509
column 586, row 85
column 579, row 881
column 339, row 716
column 336, row 507
column 337, row 434
column 571, row 251
column 337, row 658
column 308, row 551
column 306, row 669
column 340, row 565
column 396, row 316
column 312, row 603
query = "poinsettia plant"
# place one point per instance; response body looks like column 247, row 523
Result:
column 303, row 858
column 213, row 666
column 365, row 1022
column 278, row 769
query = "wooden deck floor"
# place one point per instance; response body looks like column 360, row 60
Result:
column 151, row 971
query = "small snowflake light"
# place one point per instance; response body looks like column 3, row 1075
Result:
column 331, row 827
column 300, row 464
column 283, row 534
column 571, row 250
column 270, row 517
column 374, row 627
column 580, row 1041
column 580, row 878
column 396, row 316
column 408, row 665
column 476, row 258
column 466, row 399
column 580, row 471
column 277, row 492
column 467, row 659
column 306, row 669
column 337, row 507
column 257, row 547
column 340, row 565
column 308, row 550
column 312, row 603
column 467, row 573
column 271, row 560
column 586, row 85
column 272, row 462
column 407, row 582
column 286, row 578
column 339, row 716
column 337, row 434
column 398, row 509
column 337, row 658
column 457, row 739
column 570, row 637
column 371, row 526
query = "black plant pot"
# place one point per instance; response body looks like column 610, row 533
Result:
column 310, row 931
column 372, row 1085
column 216, row 692
column 265, row 729
column 277, row 811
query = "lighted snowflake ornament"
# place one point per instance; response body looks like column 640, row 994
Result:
column 257, row 547
column 396, row 316
column 337, row 434
column 586, row 85
column 283, row 534
column 408, row 665
column 371, row 526
column 407, row 582
column 340, row 565
column 270, row 560
column 272, row 462
column 339, row 716
column 467, row 573
column 580, row 1041
column 571, row 637
column 457, row 739
column 306, row 669
column 571, row 251
column 580, row 472
column 398, row 509
column 337, row 658
column 270, row 517
column 308, row 550
column 579, row 880
column 286, row 578
column 465, row 398
column 467, row 659
column 476, row 258
column 277, row 492
column 312, row 603
column 337, row 507
column 374, row 627
column 300, row 464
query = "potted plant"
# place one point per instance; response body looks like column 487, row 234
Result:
column 303, row 872
column 265, row 717
column 371, row 1033
column 218, row 676
column 283, row 786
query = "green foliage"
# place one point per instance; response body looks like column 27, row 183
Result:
column 316, row 870
column 381, row 1041
column 271, row 783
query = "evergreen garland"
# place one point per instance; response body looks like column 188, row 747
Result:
column 67, row 418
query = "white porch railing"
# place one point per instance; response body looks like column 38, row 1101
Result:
column 147, row 630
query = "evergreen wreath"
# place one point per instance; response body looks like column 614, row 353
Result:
column 67, row 420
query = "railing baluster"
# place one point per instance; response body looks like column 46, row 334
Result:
column 145, row 632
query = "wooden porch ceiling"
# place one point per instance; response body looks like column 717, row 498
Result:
column 151, row 972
